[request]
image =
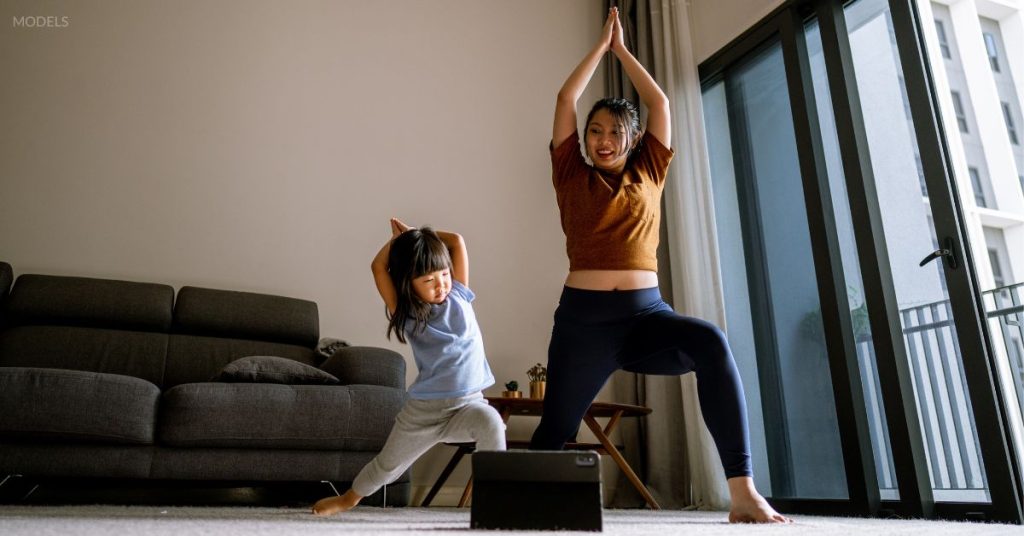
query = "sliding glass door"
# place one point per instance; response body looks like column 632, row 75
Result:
column 850, row 299
column 772, row 299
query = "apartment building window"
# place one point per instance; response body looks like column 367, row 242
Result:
column 943, row 42
column 1002, row 274
column 993, row 52
column 958, row 107
column 979, row 192
column 1010, row 127
column 997, row 269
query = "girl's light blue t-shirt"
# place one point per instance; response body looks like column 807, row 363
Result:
column 449, row 352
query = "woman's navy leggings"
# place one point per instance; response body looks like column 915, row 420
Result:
column 599, row 332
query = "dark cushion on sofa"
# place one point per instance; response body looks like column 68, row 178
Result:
column 131, row 353
column 87, row 302
column 246, row 315
column 367, row 365
column 271, row 369
column 69, row 405
column 192, row 359
column 265, row 415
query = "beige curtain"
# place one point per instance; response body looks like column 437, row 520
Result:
column 672, row 449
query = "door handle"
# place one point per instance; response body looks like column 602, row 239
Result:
column 946, row 252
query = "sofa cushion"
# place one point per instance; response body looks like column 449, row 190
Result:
column 246, row 315
column 368, row 366
column 271, row 369
column 76, row 460
column 92, row 349
column 193, row 359
column 87, row 302
column 131, row 353
column 265, row 415
column 76, row 406
column 254, row 465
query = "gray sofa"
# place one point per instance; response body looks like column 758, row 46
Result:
column 105, row 379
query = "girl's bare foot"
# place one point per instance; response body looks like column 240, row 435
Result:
column 748, row 506
column 337, row 504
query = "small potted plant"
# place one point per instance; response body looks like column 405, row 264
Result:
column 538, row 375
column 512, row 390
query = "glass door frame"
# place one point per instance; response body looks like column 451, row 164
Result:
column 1001, row 463
column 786, row 25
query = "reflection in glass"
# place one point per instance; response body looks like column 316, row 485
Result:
column 773, row 311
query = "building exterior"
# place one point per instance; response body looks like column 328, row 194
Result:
column 976, row 48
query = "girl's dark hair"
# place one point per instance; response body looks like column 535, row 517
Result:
column 413, row 253
column 624, row 111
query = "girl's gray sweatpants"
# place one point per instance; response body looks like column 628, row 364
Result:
column 424, row 423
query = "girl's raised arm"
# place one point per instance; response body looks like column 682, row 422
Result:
column 572, row 89
column 460, row 257
column 379, row 266
column 658, row 113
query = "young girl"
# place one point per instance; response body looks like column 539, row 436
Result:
column 422, row 275
column 611, row 315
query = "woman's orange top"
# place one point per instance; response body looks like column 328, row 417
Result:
column 611, row 224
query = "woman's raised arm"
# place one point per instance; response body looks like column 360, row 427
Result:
column 572, row 89
column 658, row 114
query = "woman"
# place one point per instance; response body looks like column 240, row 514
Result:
column 611, row 315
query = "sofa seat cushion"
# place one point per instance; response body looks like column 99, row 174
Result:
column 266, row 415
column 76, row 406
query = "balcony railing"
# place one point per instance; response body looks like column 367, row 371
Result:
column 944, row 407
column 1004, row 308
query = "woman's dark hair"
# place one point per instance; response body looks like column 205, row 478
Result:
column 413, row 253
column 624, row 111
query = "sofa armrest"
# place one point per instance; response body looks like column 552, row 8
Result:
column 367, row 365
column 6, row 278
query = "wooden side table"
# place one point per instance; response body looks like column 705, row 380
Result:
column 509, row 407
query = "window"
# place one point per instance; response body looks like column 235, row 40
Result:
column 958, row 107
column 1002, row 276
column 1010, row 127
column 979, row 192
column 943, row 42
column 993, row 52
column 1021, row 179
column 997, row 269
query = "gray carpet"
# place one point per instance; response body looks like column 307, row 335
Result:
column 230, row 521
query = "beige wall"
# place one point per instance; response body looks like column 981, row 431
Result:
column 262, row 146
column 716, row 22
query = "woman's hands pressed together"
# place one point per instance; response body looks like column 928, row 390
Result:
column 618, row 40
column 608, row 32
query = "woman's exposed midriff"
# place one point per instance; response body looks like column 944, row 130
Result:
column 612, row 279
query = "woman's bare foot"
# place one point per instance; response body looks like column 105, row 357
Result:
column 337, row 504
column 748, row 506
